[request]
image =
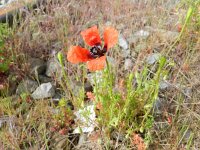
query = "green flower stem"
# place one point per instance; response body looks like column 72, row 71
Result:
column 60, row 58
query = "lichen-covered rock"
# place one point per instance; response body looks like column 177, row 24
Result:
column 151, row 59
column 26, row 86
column 78, row 86
column 123, row 42
column 53, row 68
column 45, row 90
column 44, row 79
column 37, row 66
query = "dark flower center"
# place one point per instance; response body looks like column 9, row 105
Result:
column 98, row 51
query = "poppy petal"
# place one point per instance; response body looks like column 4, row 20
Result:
column 110, row 37
column 97, row 64
column 91, row 36
column 77, row 54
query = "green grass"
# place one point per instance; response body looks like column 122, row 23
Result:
column 4, row 58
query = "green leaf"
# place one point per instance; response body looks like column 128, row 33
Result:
column 62, row 103
column 60, row 58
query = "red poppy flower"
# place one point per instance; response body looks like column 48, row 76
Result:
column 95, row 57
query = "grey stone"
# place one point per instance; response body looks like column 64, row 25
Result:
column 118, row 136
column 44, row 79
column 153, row 58
column 82, row 139
column 56, row 97
column 141, row 34
column 53, row 68
column 7, row 121
column 88, row 87
column 4, row 2
column 128, row 64
column 37, row 66
column 187, row 91
column 45, row 90
column 157, row 107
column 12, row 84
column 26, row 86
column 123, row 42
column 187, row 135
column 78, row 86
column 164, row 85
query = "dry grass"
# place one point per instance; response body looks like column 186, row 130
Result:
column 58, row 26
